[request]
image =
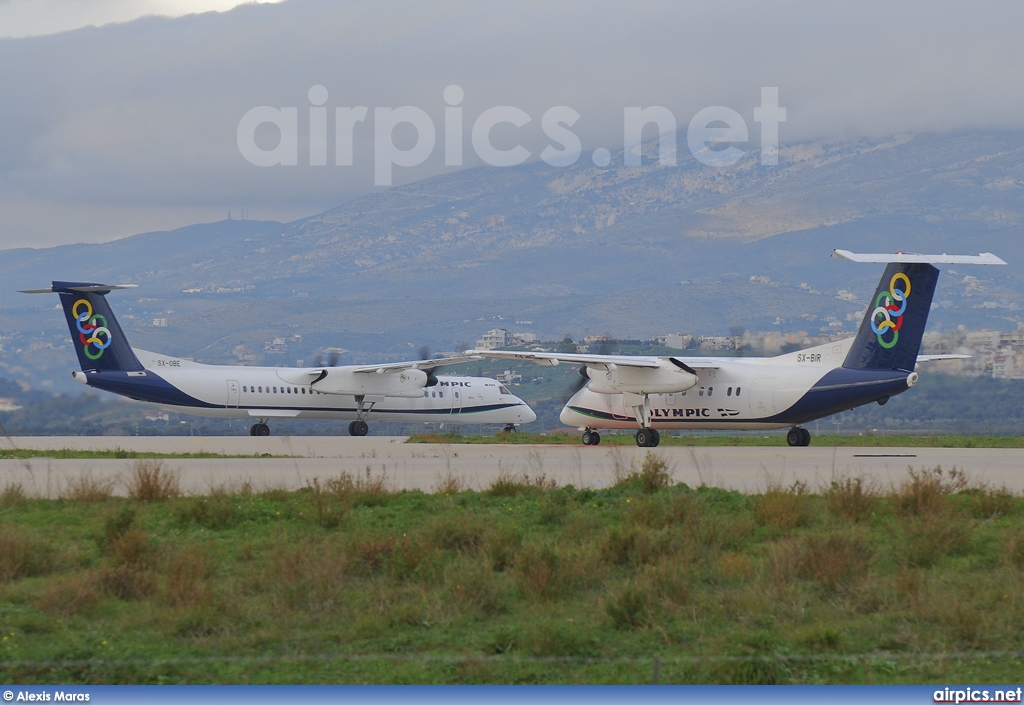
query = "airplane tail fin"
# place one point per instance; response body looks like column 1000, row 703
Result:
column 95, row 332
column 890, row 334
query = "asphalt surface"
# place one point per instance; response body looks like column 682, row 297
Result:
column 425, row 466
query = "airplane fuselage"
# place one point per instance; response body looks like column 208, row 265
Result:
column 748, row 393
column 260, row 392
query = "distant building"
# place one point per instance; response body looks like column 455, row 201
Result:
column 160, row 322
column 677, row 341
column 509, row 377
column 502, row 337
column 276, row 346
column 494, row 339
column 720, row 342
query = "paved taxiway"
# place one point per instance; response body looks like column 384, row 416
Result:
column 423, row 466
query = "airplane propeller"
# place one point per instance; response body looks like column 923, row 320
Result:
column 424, row 353
column 576, row 383
column 333, row 354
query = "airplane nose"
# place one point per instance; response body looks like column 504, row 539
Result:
column 527, row 414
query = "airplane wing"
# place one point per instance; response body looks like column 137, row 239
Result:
column 605, row 362
column 415, row 364
column 311, row 375
column 553, row 359
column 633, row 375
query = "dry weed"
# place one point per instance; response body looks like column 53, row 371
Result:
column 852, row 499
column 69, row 595
column 652, row 474
column 12, row 495
column 22, row 555
column 85, row 488
column 449, row 484
column 786, row 508
column 186, row 576
column 149, row 481
column 925, row 491
column 509, row 484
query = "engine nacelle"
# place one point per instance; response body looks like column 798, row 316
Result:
column 399, row 383
column 618, row 379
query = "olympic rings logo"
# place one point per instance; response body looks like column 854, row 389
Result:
column 886, row 307
column 92, row 335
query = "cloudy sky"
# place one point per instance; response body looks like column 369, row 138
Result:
column 129, row 116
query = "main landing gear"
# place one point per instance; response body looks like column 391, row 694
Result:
column 260, row 429
column 363, row 407
column 798, row 436
column 591, row 437
column 648, row 438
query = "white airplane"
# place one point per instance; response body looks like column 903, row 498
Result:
column 400, row 391
column 747, row 393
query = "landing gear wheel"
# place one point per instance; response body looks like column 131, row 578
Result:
column 259, row 429
column 509, row 428
column 591, row 438
column 358, row 428
column 798, row 436
column 647, row 438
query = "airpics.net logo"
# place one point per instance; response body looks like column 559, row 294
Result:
column 711, row 135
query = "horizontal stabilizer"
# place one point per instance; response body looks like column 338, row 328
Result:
column 84, row 289
column 983, row 258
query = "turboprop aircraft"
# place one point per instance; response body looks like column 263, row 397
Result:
column 746, row 393
column 399, row 391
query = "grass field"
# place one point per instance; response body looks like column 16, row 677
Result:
column 347, row 581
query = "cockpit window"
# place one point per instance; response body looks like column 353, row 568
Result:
column 501, row 388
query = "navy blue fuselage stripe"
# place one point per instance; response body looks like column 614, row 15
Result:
column 843, row 389
column 151, row 387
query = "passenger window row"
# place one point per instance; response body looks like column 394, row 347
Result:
column 710, row 390
column 269, row 389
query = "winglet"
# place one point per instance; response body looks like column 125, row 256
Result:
column 983, row 258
